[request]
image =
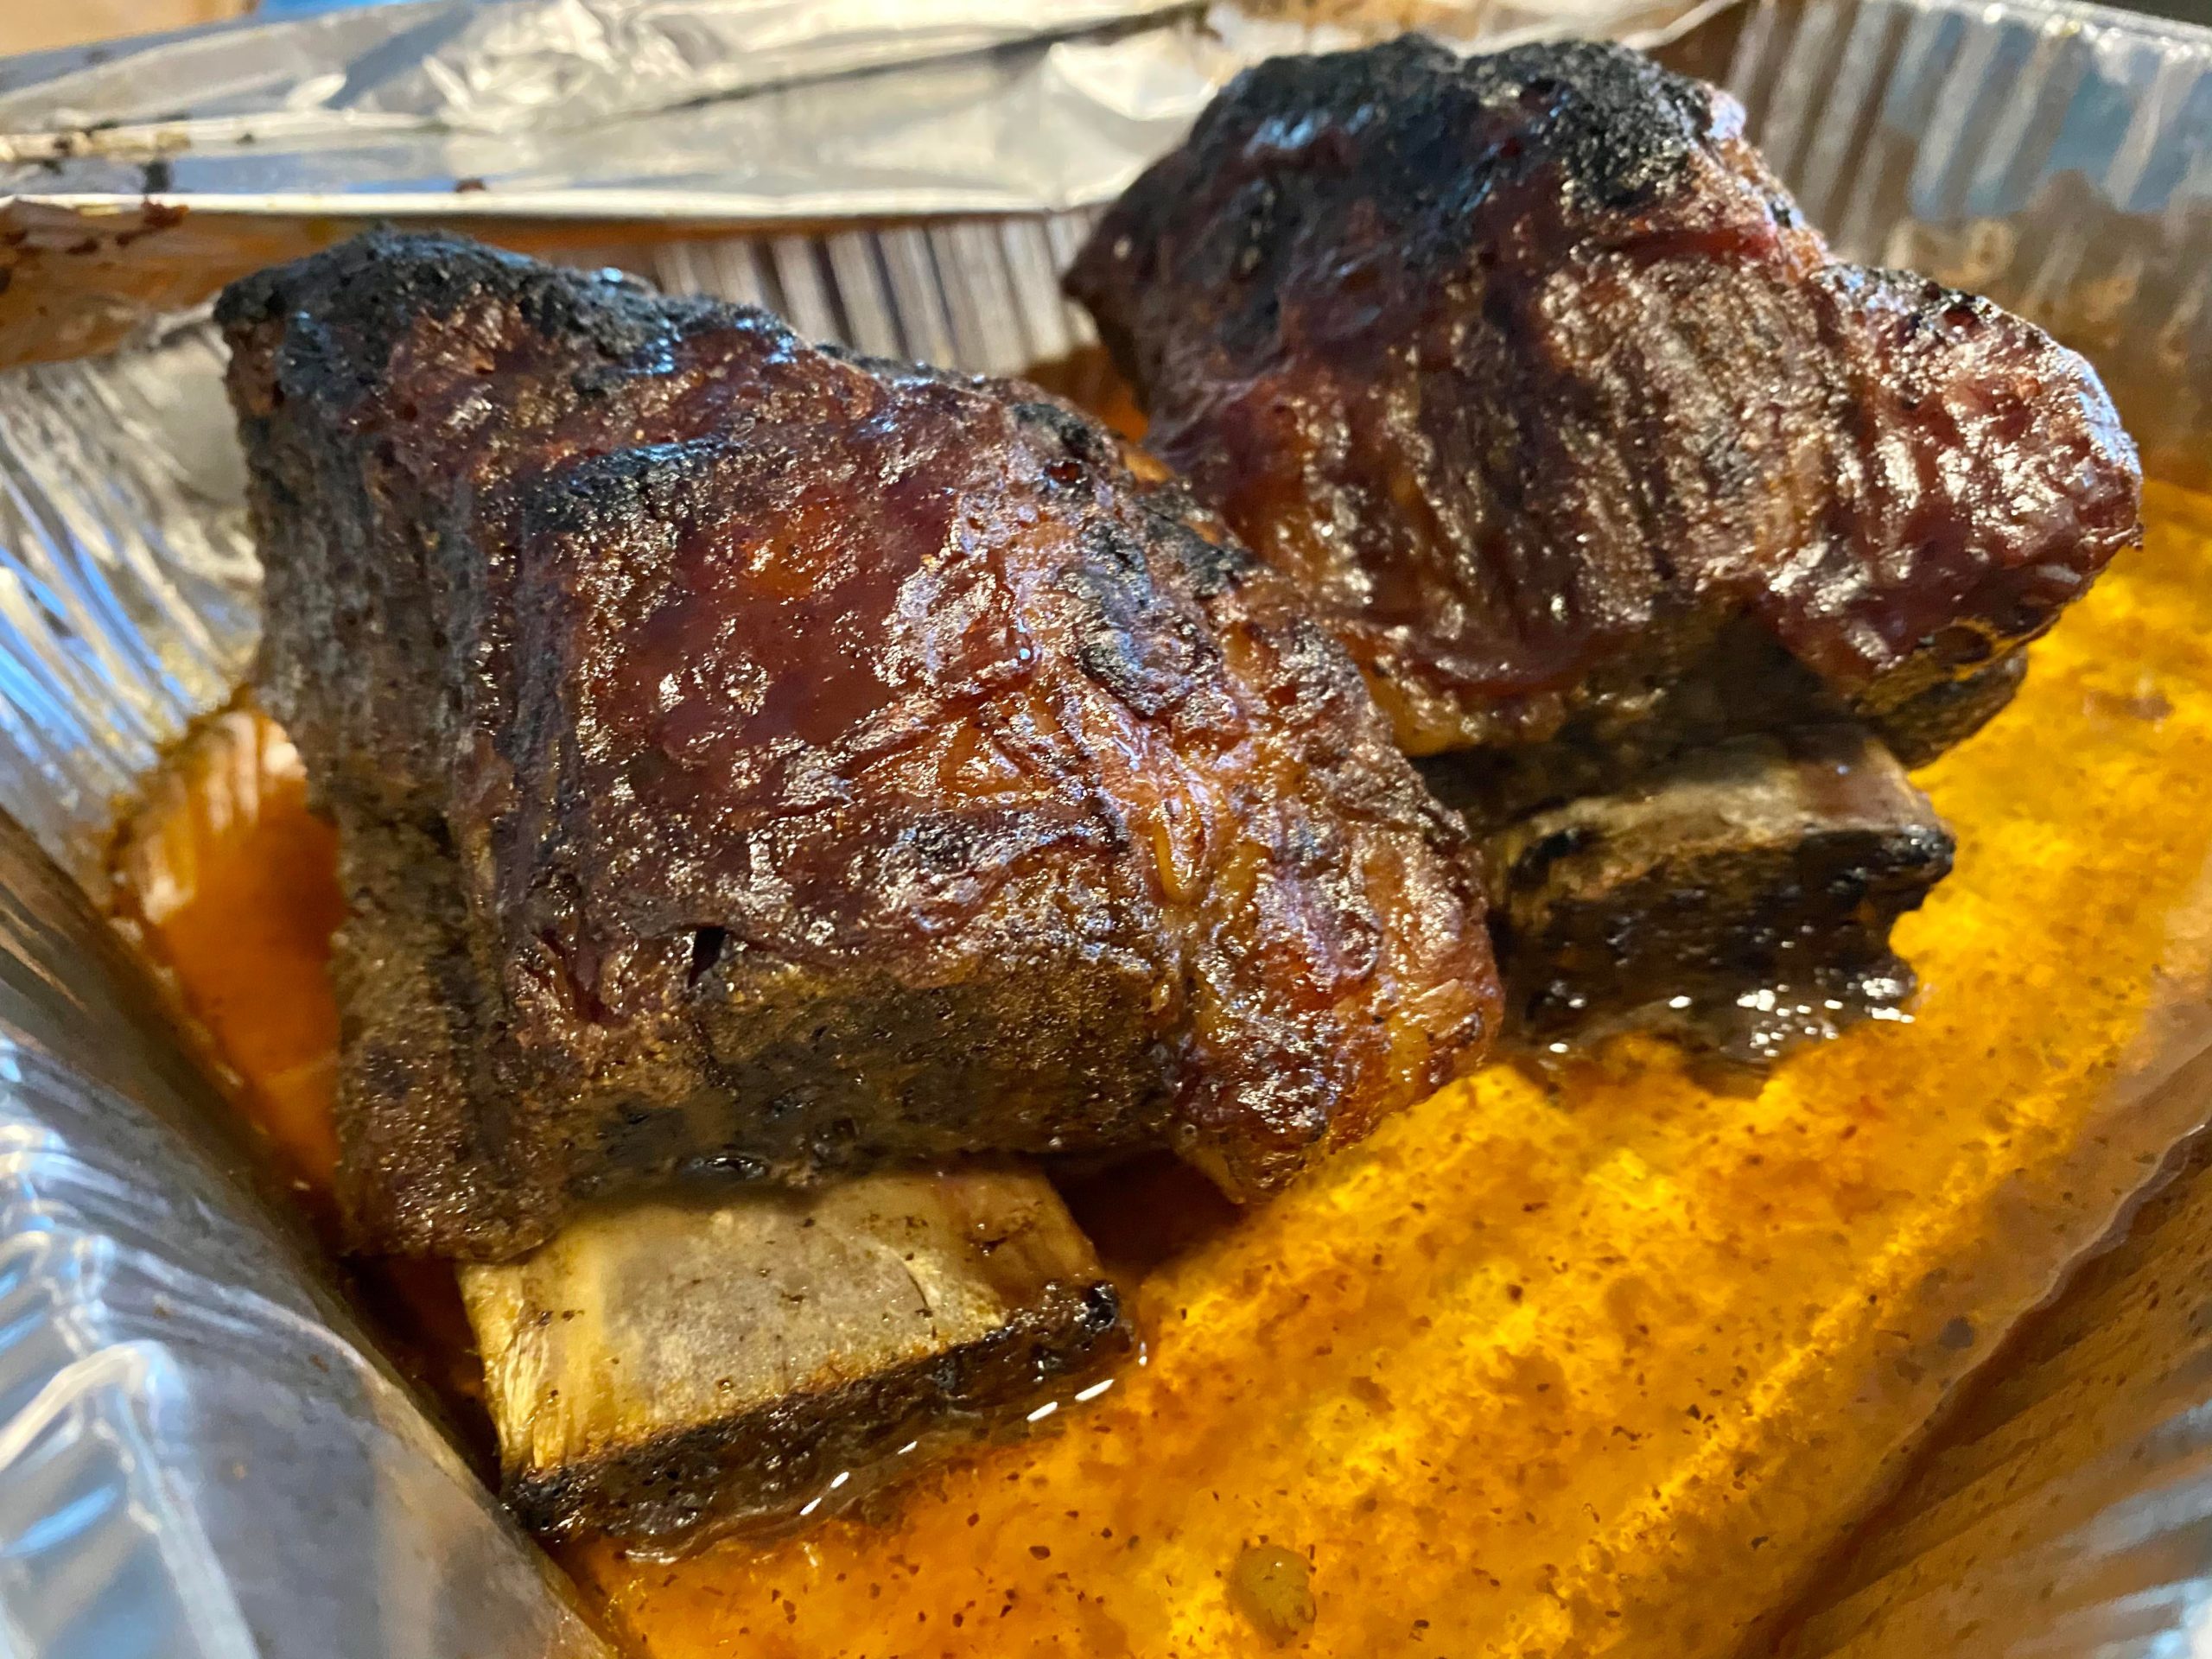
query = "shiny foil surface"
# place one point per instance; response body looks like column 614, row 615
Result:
column 200, row 1457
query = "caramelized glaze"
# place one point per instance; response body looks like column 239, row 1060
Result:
column 726, row 735
column 1529, row 372
column 1596, row 1369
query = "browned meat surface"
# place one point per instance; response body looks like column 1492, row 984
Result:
column 1526, row 369
column 752, row 760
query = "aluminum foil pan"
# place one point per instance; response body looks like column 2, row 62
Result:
column 139, row 178
column 2044, row 154
column 2066, row 1510
column 200, row 1458
column 2057, row 158
column 129, row 589
column 741, row 108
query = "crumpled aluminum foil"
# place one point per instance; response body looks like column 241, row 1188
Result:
column 741, row 108
column 200, row 1457
column 160, row 1336
column 130, row 592
column 731, row 109
column 513, row 66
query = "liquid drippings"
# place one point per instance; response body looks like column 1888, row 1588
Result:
column 1596, row 1366
column 233, row 885
column 230, row 884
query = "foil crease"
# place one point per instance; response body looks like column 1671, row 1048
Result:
column 741, row 108
column 731, row 109
column 461, row 64
column 130, row 590
column 200, row 1458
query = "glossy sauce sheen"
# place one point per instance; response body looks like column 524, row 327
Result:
column 723, row 732
column 1597, row 1371
column 1529, row 369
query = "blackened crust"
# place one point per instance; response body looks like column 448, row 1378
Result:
column 1528, row 373
column 753, row 760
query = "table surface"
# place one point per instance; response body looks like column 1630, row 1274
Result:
column 39, row 23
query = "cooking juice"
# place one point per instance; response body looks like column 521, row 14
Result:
column 1595, row 1362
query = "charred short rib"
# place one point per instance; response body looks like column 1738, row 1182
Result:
column 1741, row 897
column 752, row 759
column 1528, row 373
column 665, row 1370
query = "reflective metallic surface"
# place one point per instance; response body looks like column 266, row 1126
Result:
column 199, row 1454
column 2057, row 158
column 740, row 108
column 129, row 588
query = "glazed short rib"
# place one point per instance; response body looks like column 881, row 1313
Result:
column 752, row 760
column 1530, row 376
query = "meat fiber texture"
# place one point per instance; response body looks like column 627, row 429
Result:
column 751, row 761
column 1530, row 374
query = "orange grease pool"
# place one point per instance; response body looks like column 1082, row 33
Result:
column 1596, row 1370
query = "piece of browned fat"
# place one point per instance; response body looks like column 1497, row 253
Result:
column 1741, row 897
column 668, row 1371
